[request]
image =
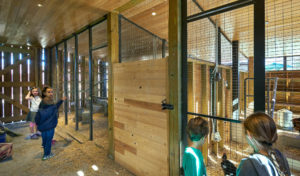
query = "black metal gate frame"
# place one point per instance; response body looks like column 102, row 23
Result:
column 259, row 55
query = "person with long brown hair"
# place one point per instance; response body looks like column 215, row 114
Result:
column 261, row 134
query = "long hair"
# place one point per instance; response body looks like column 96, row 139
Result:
column 197, row 128
column 263, row 129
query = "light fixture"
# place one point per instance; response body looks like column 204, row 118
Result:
column 40, row 5
column 267, row 22
column 153, row 13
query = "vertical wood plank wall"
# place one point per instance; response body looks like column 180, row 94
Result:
column 16, row 77
column 140, row 126
column 199, row 99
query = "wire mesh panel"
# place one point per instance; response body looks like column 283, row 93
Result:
column 231, row 87
column 136, row 43
column 282, row 62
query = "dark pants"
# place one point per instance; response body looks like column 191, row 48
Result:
column 47, row 137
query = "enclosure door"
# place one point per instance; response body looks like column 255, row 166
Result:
column 140, row 124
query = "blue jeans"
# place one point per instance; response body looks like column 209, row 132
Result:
column 47, row 137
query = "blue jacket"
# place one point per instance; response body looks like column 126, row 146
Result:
column 47, row 115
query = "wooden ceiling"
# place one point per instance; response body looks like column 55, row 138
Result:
column 23, row 21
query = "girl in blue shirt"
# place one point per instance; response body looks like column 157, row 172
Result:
column 193, row 165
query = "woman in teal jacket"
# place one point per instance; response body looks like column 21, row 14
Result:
column 193, row 165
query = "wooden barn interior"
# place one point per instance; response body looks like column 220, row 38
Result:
column 148, row 66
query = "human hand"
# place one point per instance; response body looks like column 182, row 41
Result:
column 63, row 98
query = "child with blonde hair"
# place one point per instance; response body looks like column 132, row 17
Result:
column 35, row 100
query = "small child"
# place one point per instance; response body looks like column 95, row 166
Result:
column 193, row 165
column 46, row 120
column 35, row 100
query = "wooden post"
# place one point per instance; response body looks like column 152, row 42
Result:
column 191, row 93
column 205, row 92
column 176, row 75
column 221, row 107
column 113, row 57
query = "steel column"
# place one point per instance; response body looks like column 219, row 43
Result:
column 91, row 81
column 66, row 81
column 259, row 55
column 235, row 80
column 76, row 83
column 184, row 75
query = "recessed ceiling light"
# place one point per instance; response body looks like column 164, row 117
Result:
column 40, row 5
column 153, row 13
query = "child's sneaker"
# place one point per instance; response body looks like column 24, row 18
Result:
column 45, row 158
column 51, row 155
column 34, row 136
column 38, row 133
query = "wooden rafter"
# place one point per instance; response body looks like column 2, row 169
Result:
column 8, row 68
column 17, row 84
column 13, row 102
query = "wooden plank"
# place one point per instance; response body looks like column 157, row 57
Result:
column 35, row 67
column 16, row 79
column 205, row 92
column 17, row 84
column 13, row 119
column 144, row 105
column 10, row 102
column 113, row 57
column 128, row 5
column 24, row 76
column 8, row 68
column 7, row 90
column 15, row 50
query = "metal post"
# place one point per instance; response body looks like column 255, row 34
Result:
column 184, row 75
column 219, row 44
column 66, row 81
column 163, row 48
column 284, row 63
column 91, row 82
column 50, row 81
column 57, row 77
column 259, row 55
column 235, row 80
column 76, row 83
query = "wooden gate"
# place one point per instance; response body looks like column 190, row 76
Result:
column 140, row 125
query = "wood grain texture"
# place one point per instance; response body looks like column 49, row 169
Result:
column 140, row 126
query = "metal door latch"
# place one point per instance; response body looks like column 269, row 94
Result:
column 164, row 105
